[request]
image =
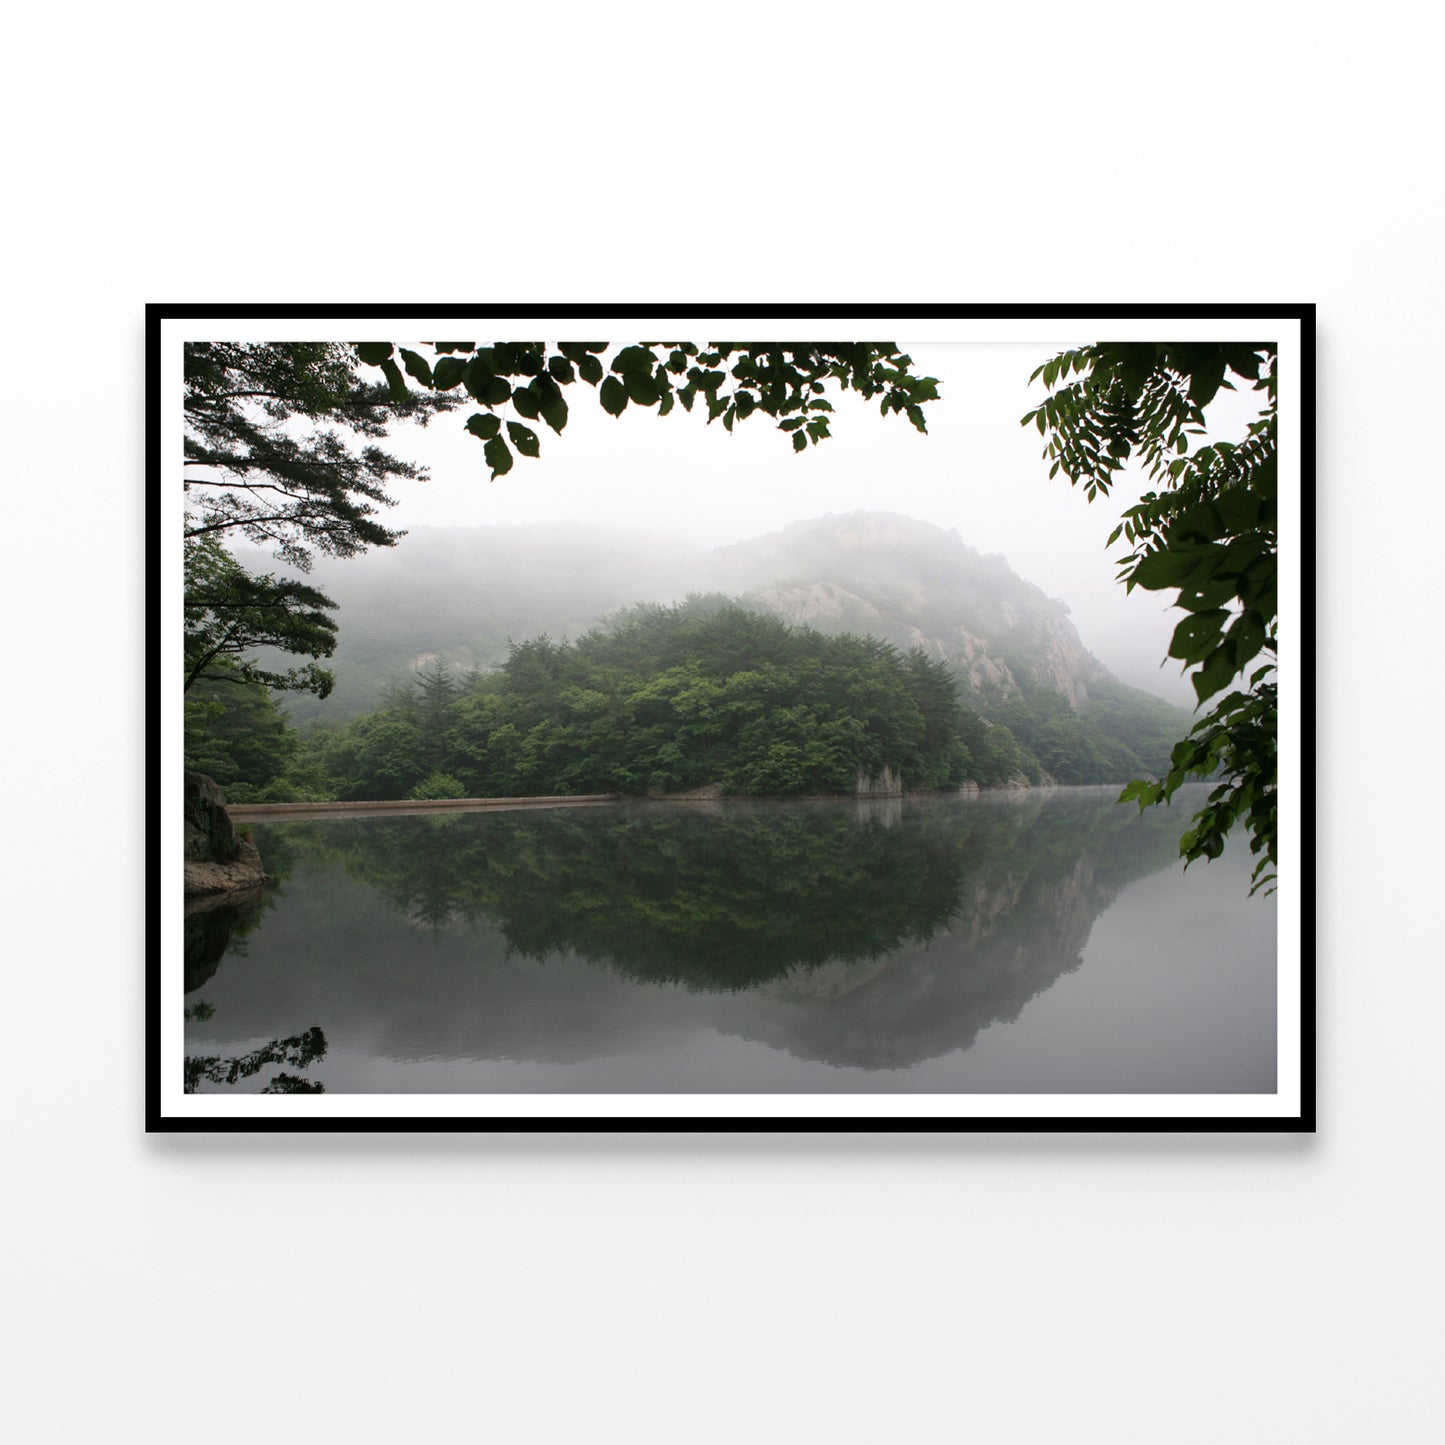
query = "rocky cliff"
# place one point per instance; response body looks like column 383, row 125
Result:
column 218, row 860
column 915, row 585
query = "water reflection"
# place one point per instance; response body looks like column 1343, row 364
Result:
column 217, row 925
column 867, row 936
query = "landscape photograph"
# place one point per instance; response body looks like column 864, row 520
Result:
column 704, row 733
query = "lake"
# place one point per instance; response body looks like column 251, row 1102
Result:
column 1031, row 942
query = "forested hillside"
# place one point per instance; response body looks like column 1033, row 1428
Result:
column 703, row 695
column 496, row 662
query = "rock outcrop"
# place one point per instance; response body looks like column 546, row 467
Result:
column 218, row 859
column 916, row 585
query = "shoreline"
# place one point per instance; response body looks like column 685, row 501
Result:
column 260, row 812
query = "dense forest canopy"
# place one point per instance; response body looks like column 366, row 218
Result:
column 664, row 699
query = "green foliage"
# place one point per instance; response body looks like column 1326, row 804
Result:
column 280, row 445
column 279, row 451
column 236, row 735
column 1210, row 532
column 665, row 699
column 438, row 785
column 786, row 381
column 230, row 612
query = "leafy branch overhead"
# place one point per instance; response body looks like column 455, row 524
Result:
column 731, row 381
column 1209, row 533
column 282, row 449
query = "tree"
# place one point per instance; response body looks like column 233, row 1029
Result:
column 280, row 448
column 276, row 452
column 276, row 447
column 229, row 613
column 238, row 734
column 1209, row 532
column 787, row 381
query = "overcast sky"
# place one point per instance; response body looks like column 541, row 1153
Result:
column 977, row 471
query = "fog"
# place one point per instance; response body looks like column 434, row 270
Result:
column 977, row 471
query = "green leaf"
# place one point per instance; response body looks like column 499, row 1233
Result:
column 373, row 353
column 499, row 457
column 590, row 370
column 641, row 388
column 442, row 347
column 1163, row 569
column 526, row 402
column 524, row 439
column 1206, row 379
column 1146, row 793
column 395, row 381
column 519, row 358
column 561, row 370
column 483, row 383
column 448, row 371
column 1239, row 507
column 483, row 424
column 417, row 366
column 1203, row 523
column 1247, row 636
column 613, row 396
column 633, row 359
column 665, row 405
column 1204, row 596
column 1214, row 675
column 1197, row 635
column 553, row 408
column 800, row 442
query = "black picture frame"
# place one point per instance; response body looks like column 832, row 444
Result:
column 164, row 325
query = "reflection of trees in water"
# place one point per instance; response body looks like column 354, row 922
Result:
column 814, row 929
column 732, row 896
column 216, row 926
column 300, row 1051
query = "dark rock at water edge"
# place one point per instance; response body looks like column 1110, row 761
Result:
column 218, row 859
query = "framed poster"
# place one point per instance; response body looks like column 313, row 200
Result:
column 713, row 734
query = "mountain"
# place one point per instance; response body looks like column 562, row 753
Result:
column 916, row 585
column 465, row 594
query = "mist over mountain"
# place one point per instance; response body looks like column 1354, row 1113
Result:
column 915, row 585
column 466, row 596
column 465, row 593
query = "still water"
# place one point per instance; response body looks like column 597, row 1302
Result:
column 1037, row 942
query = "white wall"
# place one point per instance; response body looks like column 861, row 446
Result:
column 1032, row 1289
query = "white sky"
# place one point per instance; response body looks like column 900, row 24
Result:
column 977, row 471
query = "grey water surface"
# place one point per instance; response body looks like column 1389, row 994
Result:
column 1047, row 941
